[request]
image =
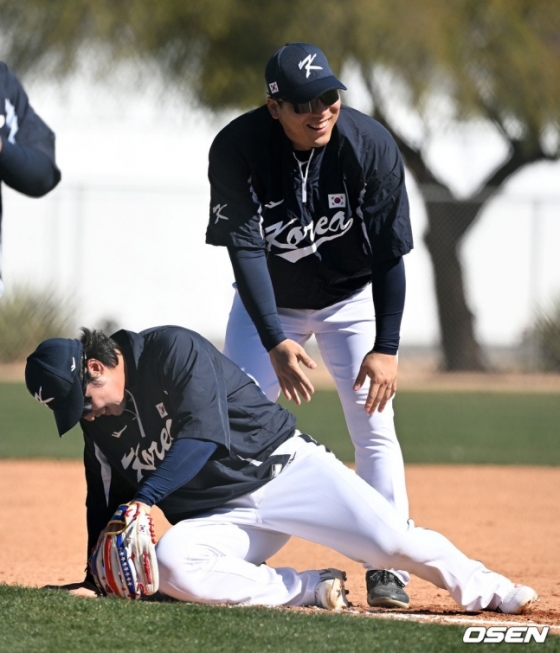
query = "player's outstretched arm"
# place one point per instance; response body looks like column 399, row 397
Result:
column 285, row 358
column 382, row 370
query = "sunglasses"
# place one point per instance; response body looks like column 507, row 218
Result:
column 326, row 99
column 88, row 407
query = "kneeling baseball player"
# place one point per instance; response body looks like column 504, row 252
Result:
column 169, row 421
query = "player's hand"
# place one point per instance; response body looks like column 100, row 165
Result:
column 145, row 507
column 285, row 359
column 382, row 370
column 85, row 589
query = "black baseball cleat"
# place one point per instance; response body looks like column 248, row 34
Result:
column 385, row 590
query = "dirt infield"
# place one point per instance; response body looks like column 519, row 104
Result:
column 505, row 516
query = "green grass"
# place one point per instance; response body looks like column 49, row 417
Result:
column 452, row 427
column 28, row 430
column 52, row 621
column 495, row 428
column 433, row 427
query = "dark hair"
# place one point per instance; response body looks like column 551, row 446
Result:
column 99, row 346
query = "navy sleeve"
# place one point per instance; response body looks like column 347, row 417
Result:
column 384, row 205
column 257, row 294
column 235, row 209
column 389, row 290
column 27, row 170
column 197, row 391
column 27, row 158
column 182, row 463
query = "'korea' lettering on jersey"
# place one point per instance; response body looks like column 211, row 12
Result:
column 325, row 230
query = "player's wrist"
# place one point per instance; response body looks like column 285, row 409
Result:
column 270, row 347
column 383, row 349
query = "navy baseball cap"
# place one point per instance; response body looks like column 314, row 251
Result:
column 299, row 72
column 52, row 376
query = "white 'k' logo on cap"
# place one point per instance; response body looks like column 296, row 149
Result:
column 307, row 63
column 40, row 398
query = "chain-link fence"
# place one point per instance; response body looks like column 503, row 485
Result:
column 500, row 277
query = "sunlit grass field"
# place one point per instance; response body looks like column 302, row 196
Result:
column 49, row 621
column 453, row 427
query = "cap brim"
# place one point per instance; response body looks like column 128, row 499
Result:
column 69, row 415
column 315, row 88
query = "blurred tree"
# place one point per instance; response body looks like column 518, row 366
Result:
column 491, row 60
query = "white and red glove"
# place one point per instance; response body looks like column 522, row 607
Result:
column 124, row 562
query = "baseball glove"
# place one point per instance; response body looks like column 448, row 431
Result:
column 123, row 562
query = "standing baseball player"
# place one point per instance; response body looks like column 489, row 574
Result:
column 27, row 161
column 309, row 197
column 169, row 420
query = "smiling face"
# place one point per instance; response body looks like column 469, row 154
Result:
column 106, row 390
column 305, row 130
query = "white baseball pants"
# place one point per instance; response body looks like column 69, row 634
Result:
column 345, row 332
column 217, row 557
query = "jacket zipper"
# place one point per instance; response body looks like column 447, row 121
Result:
column 304, row 175
column 140, row 426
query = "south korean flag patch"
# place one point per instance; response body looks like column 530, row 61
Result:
column 337, row 201
column 161, row 410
